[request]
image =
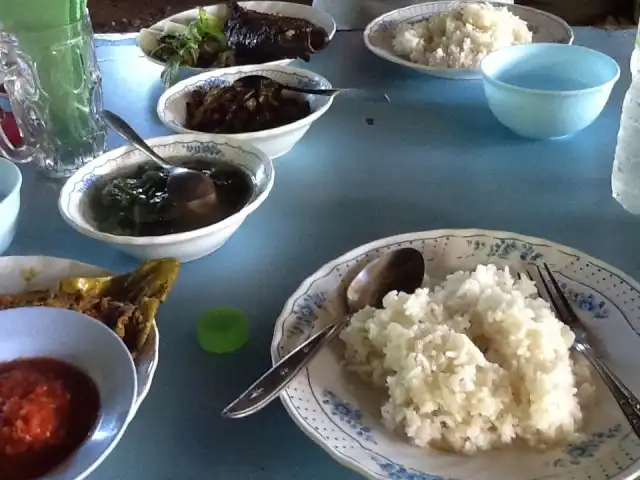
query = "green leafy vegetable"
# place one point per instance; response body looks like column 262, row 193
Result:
column 169, row 75
column 209, row 25
column 203, row 45
column 139, row 204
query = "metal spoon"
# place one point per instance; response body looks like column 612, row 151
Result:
column 193, row 190
column 401, row 270
column 358, row 93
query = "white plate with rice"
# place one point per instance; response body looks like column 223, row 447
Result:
column 334, row 400
column 429, row 38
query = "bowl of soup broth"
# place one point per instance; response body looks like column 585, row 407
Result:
column 121, row 197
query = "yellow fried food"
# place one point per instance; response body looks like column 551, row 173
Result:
column 127, row 303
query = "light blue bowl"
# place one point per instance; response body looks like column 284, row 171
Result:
column 90, row 346
column 548, row 90
column 10, row 184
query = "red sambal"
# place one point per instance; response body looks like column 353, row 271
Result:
column 47, row 409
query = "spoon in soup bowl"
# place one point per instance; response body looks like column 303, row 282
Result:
column 193, row 192
column 402, row 270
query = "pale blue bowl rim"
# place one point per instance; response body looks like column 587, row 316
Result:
column 6, row 163
column 552, row 46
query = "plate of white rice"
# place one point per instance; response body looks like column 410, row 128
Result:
column 472, row 376
column 450, row 39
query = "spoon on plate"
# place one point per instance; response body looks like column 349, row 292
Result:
column 194, row 191
column 255, row 81
column 401, row 270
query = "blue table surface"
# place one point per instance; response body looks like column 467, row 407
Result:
column 434, row 158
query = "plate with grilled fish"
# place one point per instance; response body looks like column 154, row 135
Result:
column 126, row 303
column 235, row 33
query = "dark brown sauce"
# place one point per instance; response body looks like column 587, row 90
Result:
column 137, row 203
column 47, row 410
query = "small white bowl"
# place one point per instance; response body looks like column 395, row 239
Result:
column 92, row 347
column 187, row 246
column 275, row 142
column 147, row 38
column 10, row 185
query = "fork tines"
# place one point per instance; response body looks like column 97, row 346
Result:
column 554, row 295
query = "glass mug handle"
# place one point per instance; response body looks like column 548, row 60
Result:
column 21, row 83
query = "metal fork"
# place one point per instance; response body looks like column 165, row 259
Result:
column 624, row 397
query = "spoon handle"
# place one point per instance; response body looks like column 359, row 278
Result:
column 361, row 94
column 269, row 385
column 122, row 128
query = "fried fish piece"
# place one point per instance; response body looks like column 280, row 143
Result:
column 257, row 37
column 127, row 303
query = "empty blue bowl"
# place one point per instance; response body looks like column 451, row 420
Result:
column 548, row 90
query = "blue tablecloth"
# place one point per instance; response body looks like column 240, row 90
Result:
column 435, row 158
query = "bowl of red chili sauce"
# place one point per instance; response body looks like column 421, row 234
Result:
column 67, row 390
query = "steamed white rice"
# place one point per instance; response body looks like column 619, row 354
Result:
column 460, row 38
column 472, row 365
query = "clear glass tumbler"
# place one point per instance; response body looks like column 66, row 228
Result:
column 54, row 86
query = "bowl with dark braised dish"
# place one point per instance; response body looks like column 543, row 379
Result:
column 235, row 33
column 67, row 393
column 121, row 198
column 231, row 104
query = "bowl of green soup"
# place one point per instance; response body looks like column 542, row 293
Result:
column 121, row 198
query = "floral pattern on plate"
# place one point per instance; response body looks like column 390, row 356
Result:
column 606, row 299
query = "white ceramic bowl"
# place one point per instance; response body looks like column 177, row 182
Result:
column 10, row 185
column 275, row 142
column 187, row 246
column 378, row 36
column 146, row 39
column 90, row 346
column 342, row 414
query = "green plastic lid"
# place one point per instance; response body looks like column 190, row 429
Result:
column 222, row 330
